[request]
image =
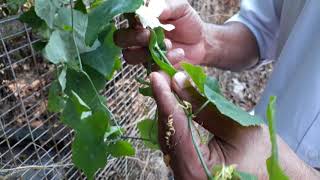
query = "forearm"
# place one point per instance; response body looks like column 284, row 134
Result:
column 231, row 46
column 294, row 167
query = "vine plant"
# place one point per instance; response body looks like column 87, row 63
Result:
column 78, row 39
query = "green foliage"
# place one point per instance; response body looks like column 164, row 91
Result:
column 121, row 148
column 100, row 16
column 148, row 130
column 30, row 17
column 56, row 102
column 104, row 58
column 14, row 5
column 80, row 6
column 158, row 54
column 38, row 25
column 210, row 89
column 197, row 74
column 66, row 52
column 146, row 91
column 243, row 176
column 85, row 71
column 47, row 9
column 273, row 166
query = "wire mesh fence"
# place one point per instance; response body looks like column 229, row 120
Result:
column 33, row 142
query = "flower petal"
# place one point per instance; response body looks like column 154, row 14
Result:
column 149, row 15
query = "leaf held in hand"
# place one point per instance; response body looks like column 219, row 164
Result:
column 274, row 170
column 210, row 89
column 155, row 50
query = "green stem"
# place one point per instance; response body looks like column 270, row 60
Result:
column 202, row 108
column 136, row 138
column 81, row 68
column 164, row 57
column 204, row 165
column 74, row 37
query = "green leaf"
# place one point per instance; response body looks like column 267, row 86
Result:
column 197, row 74
column 113, row 133
column 209, row 87
column 14, row 5
column 230, row 110
column 117, row 66
column 88, row 155
column 243, row 176
column 75, row 109
column 146, row 91
column 98, row 79
column 38, row 25
column 80, row 6
column 30, row 17
column 39, row 45
column 200, row 78
column 160, row 38
column 156, row 54
column 120, row 148
column 62, row 78
column 63, row 20
column 274, row 170
column 213, row 84
column 104, row 58
column 88, row 150
column 56, row 102
column 60, row 48
column 101, row 16
column 148, row 129
column 47, row 9
column 80, row 83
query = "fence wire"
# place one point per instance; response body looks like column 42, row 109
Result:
column 33, row 142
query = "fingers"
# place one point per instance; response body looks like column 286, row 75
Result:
column 136, row 55
column 126, row 38
column 210, row 118
column 176, row 56
column 168, row 106
column 184, row 160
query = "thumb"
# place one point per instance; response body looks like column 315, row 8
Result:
column 210, row 117
column 184, row 158
column 168, row 108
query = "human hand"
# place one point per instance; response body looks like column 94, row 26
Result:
column 247, row 147
column 185, row 42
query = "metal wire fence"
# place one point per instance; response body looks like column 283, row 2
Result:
column 33, row 142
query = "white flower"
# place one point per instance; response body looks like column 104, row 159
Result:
column 149, row 15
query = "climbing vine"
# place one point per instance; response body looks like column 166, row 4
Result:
column 78, row 38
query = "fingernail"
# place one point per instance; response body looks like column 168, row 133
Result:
column 168, row 44
column 181, row 79
column 180, row 52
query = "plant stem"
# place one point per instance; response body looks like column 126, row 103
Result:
column 201, row 108
column 73, row 36
column 166, row 60
column 204, row 165
column 81, row 68
column 135, row 138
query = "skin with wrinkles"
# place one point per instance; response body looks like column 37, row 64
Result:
column 248, row 147
column 221, row 46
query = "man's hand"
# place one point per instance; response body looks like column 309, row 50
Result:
column 247, row 147
column 185, row 42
